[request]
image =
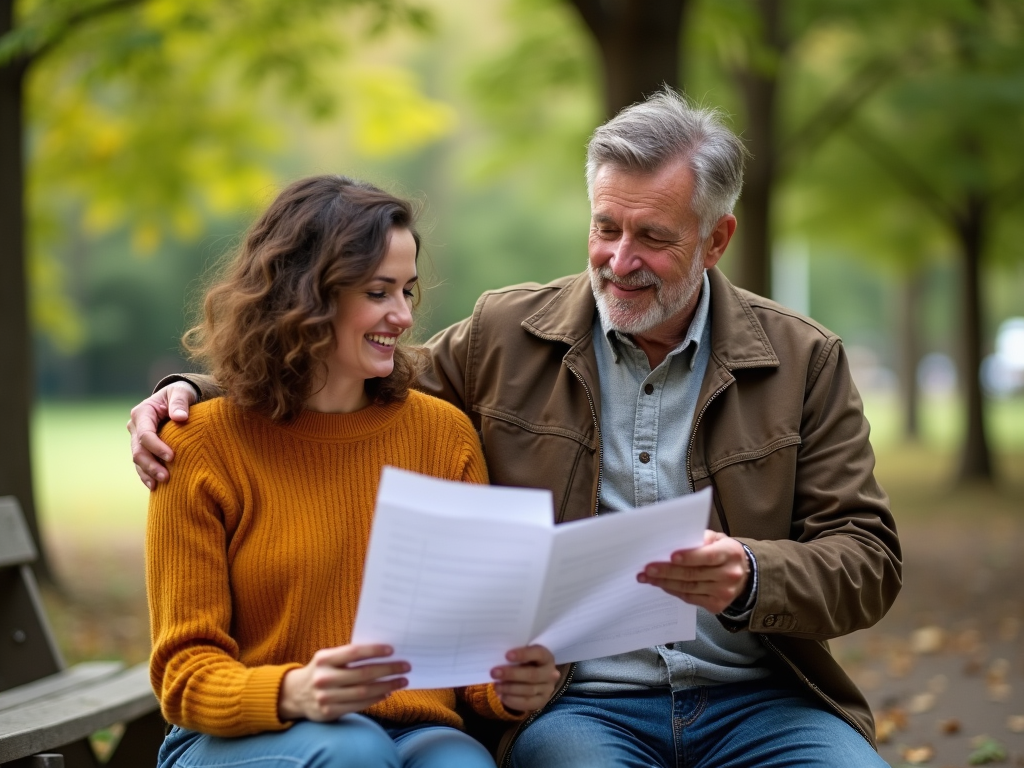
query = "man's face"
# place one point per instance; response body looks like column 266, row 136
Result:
column 646, row 260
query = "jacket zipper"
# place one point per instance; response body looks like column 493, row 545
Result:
column 693, row 432
column 507, row 757
column 817, row 691
column 597, row 432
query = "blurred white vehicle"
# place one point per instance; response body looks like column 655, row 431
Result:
column 1002, row 372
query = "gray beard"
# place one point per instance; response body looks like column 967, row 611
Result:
column 669, row 300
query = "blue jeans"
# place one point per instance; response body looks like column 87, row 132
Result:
column 354, row 741
column 764, row 723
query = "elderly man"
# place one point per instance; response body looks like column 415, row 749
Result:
column 648, row 377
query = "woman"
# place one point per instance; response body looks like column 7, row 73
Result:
column 256, row 544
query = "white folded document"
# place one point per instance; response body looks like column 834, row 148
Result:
column 458, row 574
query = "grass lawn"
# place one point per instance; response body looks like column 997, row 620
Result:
column 88, row 490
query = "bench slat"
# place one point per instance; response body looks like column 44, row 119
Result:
column 86, row 673
column 45, row 724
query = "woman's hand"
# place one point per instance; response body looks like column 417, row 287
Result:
column 528, row 682
column 327, row 687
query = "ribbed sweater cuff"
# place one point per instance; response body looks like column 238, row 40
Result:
column 259, row 703
column 484, row 700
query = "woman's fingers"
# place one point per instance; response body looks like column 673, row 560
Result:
column 340, row 680
column 529, row 681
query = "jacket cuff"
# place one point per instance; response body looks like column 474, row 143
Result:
column 205, row 387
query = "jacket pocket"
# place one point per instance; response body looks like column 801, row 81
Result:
column 755, row 488
column 522, row 454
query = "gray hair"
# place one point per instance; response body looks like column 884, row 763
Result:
column 646, row 136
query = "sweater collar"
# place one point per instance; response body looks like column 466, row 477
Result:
column 343, row 426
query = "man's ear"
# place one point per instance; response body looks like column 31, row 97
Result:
column 719, row 239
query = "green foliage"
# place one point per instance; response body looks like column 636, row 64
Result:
column 987, row 750
column 158, row 117
column 943, row 134
column 538, row 93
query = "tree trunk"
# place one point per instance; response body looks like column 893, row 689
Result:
column 976, row 461
column 752, row 268
column 16, row 381
column 639, row 44
column 911, row 290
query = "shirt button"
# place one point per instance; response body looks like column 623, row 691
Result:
column 644, row 457
column 769, row 620
column 648, row 389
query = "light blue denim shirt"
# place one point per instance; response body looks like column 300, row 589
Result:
column 646, row 419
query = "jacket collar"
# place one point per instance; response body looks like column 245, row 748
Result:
column 737, row 338
column 569, row 316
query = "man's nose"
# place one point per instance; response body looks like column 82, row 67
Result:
column 625, row 258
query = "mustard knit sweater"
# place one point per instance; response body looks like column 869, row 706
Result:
column 255, row 550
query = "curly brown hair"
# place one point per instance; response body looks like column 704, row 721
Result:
column 267, row 322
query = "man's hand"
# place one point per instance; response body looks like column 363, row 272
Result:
column 328, row 687
column 528, row 682
column 710, row 576
column 148, row 450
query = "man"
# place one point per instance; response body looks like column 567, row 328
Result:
column 648, row 377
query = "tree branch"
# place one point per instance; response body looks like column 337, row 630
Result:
column 836, row 111
column 66, row 25
column 904, row 173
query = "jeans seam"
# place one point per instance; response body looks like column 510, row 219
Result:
column 679, row 723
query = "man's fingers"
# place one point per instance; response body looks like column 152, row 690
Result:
column 180, row 397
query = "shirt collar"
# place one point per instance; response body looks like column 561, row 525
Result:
column 694, row 335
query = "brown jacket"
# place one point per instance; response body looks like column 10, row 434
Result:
column 779, row 433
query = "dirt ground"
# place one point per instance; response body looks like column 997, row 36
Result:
column 943, row 672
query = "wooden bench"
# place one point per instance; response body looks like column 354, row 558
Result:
column 47, row 711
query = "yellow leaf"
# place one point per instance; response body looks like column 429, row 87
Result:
column 391, row 116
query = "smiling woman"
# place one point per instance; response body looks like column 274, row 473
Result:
column 255, row 544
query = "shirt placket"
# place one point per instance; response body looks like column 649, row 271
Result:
column 645, row 437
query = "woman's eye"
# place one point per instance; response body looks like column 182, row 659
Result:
column 409, row 293
column 376, row 294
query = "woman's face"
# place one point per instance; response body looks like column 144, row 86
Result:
column 371, row 317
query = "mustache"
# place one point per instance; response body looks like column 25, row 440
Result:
column 635, row 279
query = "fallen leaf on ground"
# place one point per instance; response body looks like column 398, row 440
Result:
column 950, row 726
column 968, row 641
column 888, row 722
column 997, row 671
column 918, row 755
column 1015, row 723
column 921, row 703
column 927, row 639
column 999, row 692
